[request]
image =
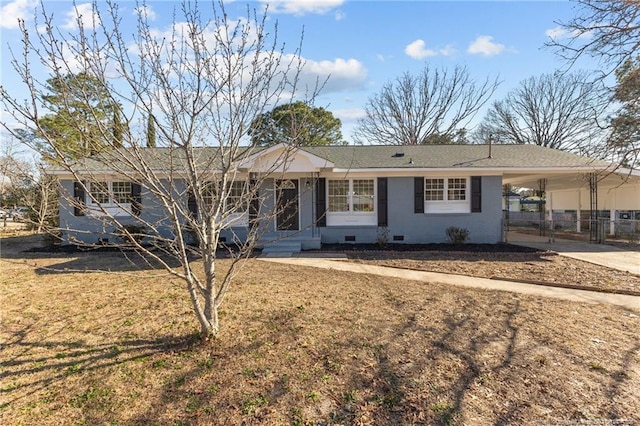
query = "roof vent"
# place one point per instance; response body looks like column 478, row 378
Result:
column 399, row 154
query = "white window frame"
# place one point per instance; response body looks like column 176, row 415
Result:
column 352, row 217
column 111, row 206
column 446, row 205
column 239, row 217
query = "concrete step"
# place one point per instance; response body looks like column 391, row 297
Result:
column 284, row 246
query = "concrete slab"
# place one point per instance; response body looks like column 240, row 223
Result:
column 599, row 254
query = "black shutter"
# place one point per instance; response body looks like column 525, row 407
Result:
column 136, row 199
column 476, row 194
column 78, row 199
column 321, row 202
column 254, row 204
column 418, row 196
column 382, row 201
column 192, row 204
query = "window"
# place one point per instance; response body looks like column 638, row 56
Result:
column 457, row 189
column 100, row 192
column 121, row 192
column 351, row 195
column 351, row 202
column 451, row 189
column 236, row 196
column 433, row 189
column 338, row 196
column 115, row 198
column 446, row 195
column 363, row 195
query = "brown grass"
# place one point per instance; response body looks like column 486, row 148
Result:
column 303, row 346
column 538, row 266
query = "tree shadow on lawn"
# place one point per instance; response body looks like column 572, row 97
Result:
column 377, row 375
column 28, row 370
column 357, row 377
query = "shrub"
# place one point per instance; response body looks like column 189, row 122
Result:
column 383, row 236
column 457, row 235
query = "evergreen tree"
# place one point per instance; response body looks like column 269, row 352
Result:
column 296, row 124
column 81, row 111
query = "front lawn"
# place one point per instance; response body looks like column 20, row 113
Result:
column 303, row 346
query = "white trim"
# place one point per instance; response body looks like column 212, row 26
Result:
column 317, row 163
column 448, row 206
column 476, row 171
column 350, row 217
column 328, row 167
column 110, row 208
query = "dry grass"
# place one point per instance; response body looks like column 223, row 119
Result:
column 538, row 266
column 303, row 346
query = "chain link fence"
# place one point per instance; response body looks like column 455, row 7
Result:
column 624, row 227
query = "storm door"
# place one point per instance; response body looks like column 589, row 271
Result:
column 287, row 215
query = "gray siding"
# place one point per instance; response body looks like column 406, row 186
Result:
column 415, row 228
column 420, row 228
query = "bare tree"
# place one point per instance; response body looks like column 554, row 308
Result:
column 206, row 80
column 559, row 111
column 608, row 30
column 413, row 108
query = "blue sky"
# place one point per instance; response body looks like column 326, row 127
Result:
column 362, row 45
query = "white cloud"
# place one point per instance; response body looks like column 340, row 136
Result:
column 15, row 10
column 559, row 33
column 349, row 115
column 85, row 13
column 342, row 74
column 419, row 50
column 339, row 15
column 302, row 7
column 448, row 50
column 146, row 11
column 484, row 45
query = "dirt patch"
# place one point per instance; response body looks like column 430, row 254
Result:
column 303, row 346
column 504, row 261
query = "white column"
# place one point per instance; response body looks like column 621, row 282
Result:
column 579, row 212
column 612, row 222
column 552, row 228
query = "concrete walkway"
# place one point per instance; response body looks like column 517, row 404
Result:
column 339, row 263
column 599, row 254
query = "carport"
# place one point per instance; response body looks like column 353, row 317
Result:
column 611, row 197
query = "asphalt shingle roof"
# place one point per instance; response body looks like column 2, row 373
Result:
column 377, row 157
column 450, row 156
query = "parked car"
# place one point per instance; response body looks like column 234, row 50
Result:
column 19, row 214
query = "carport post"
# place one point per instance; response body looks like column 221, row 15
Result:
column 612, row 222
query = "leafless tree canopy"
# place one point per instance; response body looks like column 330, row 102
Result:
column 605, row 29
column 203, row 81
column 558, row 111
column 413, row 108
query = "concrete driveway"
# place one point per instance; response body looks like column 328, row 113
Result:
column 599, row 254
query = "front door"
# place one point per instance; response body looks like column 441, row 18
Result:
column 287, row 215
